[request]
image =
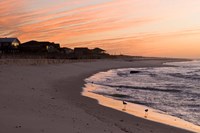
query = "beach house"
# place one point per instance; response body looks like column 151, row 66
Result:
column 9, row 45
column 82, row 53
column 39, row 47
column 65, row 50
column 98, row 51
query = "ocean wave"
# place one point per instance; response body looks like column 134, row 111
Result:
column 121, row 74
column 142, row 88
column 191, row 77
column 175, row 90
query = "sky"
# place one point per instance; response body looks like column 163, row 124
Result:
column 165, row 28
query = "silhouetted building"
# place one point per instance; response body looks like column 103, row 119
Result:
column 39, row 47
column 86, row 53
column 65, row 50
column 9, row 45
column 81, row 51
column 98, row 51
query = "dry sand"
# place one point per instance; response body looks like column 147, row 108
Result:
column 47, row 98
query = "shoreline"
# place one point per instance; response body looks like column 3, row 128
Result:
column 51, row 94
column 96, row 101
column 138, row 110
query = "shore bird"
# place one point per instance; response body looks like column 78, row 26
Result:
column 146, row 113
column 124, row 103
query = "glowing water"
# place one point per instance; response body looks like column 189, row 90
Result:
column 174, row 90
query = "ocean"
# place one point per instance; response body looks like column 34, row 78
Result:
column 174, row 90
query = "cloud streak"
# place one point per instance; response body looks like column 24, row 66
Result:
column 149, row 24
column 73, row 22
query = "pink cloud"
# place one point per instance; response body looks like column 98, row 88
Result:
column 76, row 22
column 64, row 21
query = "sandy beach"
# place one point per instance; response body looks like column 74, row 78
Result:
column 45, row 96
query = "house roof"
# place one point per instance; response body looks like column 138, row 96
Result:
column 98, row 49
column 8, row 39
column 65, row 48
column 39, row 44
column 81, row 48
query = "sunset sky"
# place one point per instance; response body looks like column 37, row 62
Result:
column 168, row 28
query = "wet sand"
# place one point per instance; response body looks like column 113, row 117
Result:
column 139, row 110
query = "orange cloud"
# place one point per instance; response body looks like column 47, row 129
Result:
column 82, row 21
column 153, row 26
column 40, row 24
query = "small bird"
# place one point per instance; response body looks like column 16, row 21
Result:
column 146, row 113
column 124, row 103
